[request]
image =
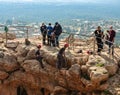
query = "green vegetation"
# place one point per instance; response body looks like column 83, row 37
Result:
column 100, row 65
column 107, row 92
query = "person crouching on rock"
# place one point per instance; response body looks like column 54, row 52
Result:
column 61, row 57
column 38, row 56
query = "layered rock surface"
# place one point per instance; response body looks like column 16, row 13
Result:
column 86, row 74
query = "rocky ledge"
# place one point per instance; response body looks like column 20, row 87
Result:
column 21, row 73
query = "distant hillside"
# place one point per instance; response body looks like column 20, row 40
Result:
column 30, row 12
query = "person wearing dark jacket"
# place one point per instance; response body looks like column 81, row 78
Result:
column 43, row 29
column 112, row 34
column 57, row 31
column 38, row 56
column 61, row 57
column 49, row 32
column 99, row 35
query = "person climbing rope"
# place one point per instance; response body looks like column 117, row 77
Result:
column 61, row 57
column 38, row 56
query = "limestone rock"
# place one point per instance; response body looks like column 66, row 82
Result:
column 7, row 90
column 50, row 58
column 22, row 50
column 98, row 61
column 9, row 62
column 85, row 74
column 20, row 59
column 3, row 75
column 31, row 54
column 31, row 66
column 1, row 40
column 91, row 63
column 111, row 68
column 60, row 77
column 75, row 71
column 84, row 69
column 103, row 87
column 59, row 90
column 1, row 54
column 10, row 36
column 81, row 59
column 23, row 78
column 11, row 44
column 98, row 74
column 3, row 49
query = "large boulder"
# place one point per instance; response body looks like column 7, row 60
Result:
column 96, row 60
column 9, row 62
column 31, row 54
column 1, row 40
column 10, row 36
column 98, row 74
column 75, row 71
column 111, row 68
column 20, row 59
column 22, row 78
column 84, row 69
column 81, row 59
column 7, row 90
column 1, row 54
column 12, row 44
column 32, row 66
column 3, row 75
column 49, row 56
column 22, row 50
column 59, row 90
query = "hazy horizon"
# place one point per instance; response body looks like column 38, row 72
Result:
column 67, row 1
column 58, row 9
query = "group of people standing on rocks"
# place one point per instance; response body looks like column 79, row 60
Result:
column 51, row 34
column 109, row 37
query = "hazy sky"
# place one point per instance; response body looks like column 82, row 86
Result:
column 66, row 1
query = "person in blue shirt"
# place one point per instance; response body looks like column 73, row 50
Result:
column 49, row 31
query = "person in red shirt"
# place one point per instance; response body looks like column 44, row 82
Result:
column 111, row 39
